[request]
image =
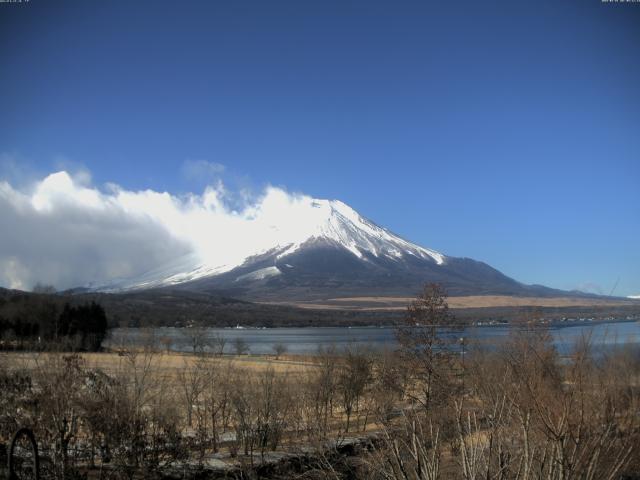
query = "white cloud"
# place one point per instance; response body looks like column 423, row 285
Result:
column 65, row 232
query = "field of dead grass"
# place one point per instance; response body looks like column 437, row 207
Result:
column 472, row 301
column 167, row 363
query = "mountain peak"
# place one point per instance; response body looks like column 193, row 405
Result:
column 337, row 222
column 286, row 230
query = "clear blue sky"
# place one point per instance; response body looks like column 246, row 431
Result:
column 504, row 131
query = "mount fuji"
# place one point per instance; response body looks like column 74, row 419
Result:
column 325, row 249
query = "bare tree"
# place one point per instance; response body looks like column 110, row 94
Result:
column 389, row 383
column 272, row 406
column 216, row 397
column 244, row 414
column 422, row 344
column 59, row 380
column 218, row 342
column 167, row 343
column 240, row 346
column 192, row 380
column 196, row 338
column 279, row 349
column 412, row 451
column 322, row 388
column 353, row 377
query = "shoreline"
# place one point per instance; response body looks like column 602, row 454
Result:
column 484, row 324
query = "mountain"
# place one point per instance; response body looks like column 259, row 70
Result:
column 327, row 250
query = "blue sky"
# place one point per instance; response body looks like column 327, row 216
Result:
column 504, row 131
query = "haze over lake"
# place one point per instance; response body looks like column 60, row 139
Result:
column 308, row 340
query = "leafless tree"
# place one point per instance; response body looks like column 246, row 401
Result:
column 167, row 343
column 192, row 379
column 279, row 349
column 240, row 346
column 272, row 406
column 423, row 346
column 59, row 381
column 218, row 342
column 389, row 383
column 412, row 451
column 196, row 338
column 322, row 390
column 217, row 395
column 354, row 376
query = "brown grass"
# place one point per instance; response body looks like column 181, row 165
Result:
column 471, row 301
column 166, row 363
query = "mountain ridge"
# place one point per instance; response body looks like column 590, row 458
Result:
column 325, row 249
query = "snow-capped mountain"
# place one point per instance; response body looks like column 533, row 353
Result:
column 634, row 297
column 324, row 249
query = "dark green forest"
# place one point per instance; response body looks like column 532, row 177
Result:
column 33, row 321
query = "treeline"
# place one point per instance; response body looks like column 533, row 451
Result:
column 42, row 321
column 180, row 308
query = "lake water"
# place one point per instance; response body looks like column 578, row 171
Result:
column 308, row 340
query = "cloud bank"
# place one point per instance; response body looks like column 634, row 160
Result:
column 65, row 232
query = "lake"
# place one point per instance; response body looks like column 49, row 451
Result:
column 307, row 340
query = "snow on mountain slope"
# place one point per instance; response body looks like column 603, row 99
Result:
column 183, row 269
column 285, row 231
column 260, row 274
column 334, row 220
column 634, row 297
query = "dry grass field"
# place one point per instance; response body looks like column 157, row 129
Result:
column 472, row 301
column 165, row 363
